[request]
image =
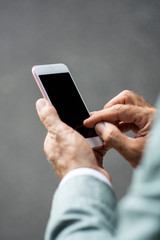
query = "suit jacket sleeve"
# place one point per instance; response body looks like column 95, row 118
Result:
column 85, row 208
column 139, row 212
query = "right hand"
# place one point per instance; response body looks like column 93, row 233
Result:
column 127, row 111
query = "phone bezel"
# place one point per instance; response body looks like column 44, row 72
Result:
column 94, row 142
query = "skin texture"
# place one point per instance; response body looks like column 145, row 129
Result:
column 127, row 111
column 65, row 148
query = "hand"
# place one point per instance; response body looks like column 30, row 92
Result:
column 125, row 112
column 65, row 148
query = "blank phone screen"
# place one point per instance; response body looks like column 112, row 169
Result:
column 65, row 97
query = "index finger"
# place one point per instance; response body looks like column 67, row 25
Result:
column 117, row 113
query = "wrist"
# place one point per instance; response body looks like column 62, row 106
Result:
column 88, row 166
column 85, row 171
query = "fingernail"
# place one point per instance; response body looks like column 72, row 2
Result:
column 41, row 103
column 100, row 127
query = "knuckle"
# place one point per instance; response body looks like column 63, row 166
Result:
column 46, row 145
column 127, row 94
column 49, row 117
column 109, row 134
column 118, row 109
column 130, row 97
column 49, row 149
column 59, row 131
column 46, row 115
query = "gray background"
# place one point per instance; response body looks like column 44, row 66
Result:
column 108, row 45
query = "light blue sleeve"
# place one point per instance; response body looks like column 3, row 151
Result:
column 85, row 208
column 139, row 212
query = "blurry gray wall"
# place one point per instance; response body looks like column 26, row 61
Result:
column 108, row 45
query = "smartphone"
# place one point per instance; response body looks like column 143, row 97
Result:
column 57, row 85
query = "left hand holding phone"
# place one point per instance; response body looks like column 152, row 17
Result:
column 66, row 148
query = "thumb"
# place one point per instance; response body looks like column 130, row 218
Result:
column 47, row 113
column 110, row 134
column 129, row 148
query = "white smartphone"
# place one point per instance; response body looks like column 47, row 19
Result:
column 57, row 85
